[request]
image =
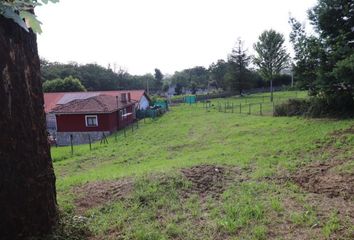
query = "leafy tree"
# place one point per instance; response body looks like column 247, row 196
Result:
column 165, row 87
column 217, row 72
column 178, row 89
column 193, row 87
column 308, row 54
column 158, row 79
column 68, row 84
column 328, row 56
column 27, row 180
column 238, row 63
column 271, row 56
column 334, row 20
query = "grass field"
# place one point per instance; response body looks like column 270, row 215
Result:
column 198, row 173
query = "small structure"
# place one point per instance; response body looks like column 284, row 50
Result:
column 92, row 118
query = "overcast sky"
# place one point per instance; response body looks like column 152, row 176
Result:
column 141, row 35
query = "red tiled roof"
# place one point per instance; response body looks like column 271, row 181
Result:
column 51, row 100
column 96, row 104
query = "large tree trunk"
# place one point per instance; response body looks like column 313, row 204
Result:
column 27, row 180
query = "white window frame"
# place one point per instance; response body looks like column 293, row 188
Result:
column 91, row 116
column 121, row 114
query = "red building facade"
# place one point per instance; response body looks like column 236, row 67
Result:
column 92, row 118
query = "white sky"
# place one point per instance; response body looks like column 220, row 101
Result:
column 141, row 35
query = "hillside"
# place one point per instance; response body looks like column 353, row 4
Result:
column 198, row 173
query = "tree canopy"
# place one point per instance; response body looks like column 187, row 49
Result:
column 68, row 84
column 238, row 64
column 272, row 56
column 324, row 62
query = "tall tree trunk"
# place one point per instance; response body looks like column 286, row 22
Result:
column 27, row 180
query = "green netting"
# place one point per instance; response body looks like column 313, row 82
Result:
column 149, row 113
column 190, row 99
column 162, row 104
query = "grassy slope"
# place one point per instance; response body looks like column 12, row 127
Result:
column 187, row 136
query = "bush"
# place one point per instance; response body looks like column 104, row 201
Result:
column 68, row 84
column 331, row 106
column 293, row 107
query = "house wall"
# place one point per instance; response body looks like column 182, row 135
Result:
column 76, row 123
column 63, row 138
column 51, row 122
column 143, row 103
column 122, row 122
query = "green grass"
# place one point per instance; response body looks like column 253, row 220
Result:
column 191, row 135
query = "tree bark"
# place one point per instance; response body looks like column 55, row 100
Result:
column 27, row 180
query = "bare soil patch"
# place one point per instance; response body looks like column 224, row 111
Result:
column 322, row 179
column 212, row 180
column 97, row 193
column 342, row 132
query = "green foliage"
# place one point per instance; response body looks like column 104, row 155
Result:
column 238, row 64
column 21, row 12
column 271, row 55
column 217, row 72
column 158, row 78
column 324, row 63
column 344, row 71
column 293, row 107
column 97, row 78
column 178, row 89
column 317, row 107
column 68, row 84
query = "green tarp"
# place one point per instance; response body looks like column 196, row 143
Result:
column 190, row 99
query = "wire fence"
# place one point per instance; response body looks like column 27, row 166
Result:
column 252, row 105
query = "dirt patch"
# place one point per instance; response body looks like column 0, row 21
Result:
column 342, row 132
column 323, row 179
column 212, row 180
column 97, row 193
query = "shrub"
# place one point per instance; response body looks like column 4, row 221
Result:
column 293, row 107
column 336, row 106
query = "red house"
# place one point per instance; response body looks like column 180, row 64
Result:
column 52, row 100
column 92, row 118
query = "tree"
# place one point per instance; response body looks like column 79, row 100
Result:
column 158, row 79
column 27, row 180
column 178, row 89
column 271, row 56
column 217, row 72
column 308, row 52
column 68, row 84
column 333, row 21
column 238, row 62
column 328, row 55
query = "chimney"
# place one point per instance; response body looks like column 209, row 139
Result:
column 124, row 97
column 117, row 102
column 129, row 99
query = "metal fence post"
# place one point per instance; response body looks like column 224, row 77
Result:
column 273, row 107
column 71, row 144
column 89, row 137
